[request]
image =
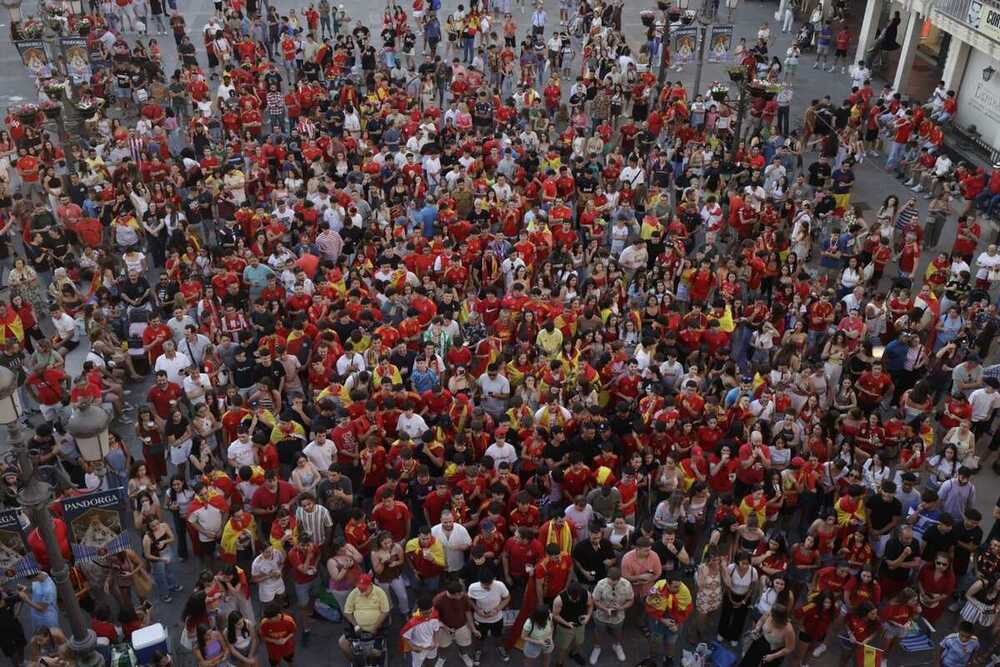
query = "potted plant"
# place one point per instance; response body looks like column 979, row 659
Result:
column 54, row 90
column 647, row 17
column 736, row 74
column 31, row 28
column 86, row 109
column 83, row 27
column 27, row 114
column 674, row 14
column 719, row 91
column 51, row 109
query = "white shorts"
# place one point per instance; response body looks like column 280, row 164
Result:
column 462, row 636
column 179, row 453
column 420, row 656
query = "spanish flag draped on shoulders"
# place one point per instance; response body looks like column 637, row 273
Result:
column 662, row 602
column 419, row 631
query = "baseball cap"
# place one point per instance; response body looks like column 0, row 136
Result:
column 365, row 582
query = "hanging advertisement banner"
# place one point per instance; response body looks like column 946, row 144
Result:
column 16, row 559
column 720, row 42
column 98, row 524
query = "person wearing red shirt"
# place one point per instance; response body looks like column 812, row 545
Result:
column 277, row 630
column 872, row 386
column 164, row 394
column 551, row 574
column 393, row 516
column 518, row 553
column 902, row 129
column 436, row 502
column 268, row 497
column 525, row 514
column 754, row 459
column 832, row 579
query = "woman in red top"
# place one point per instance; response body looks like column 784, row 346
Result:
column 863, row 626
column 815, row 616
column 935, row 584
column 862, row 588
column 896, row 616
column 804, row 561
column 29, row 322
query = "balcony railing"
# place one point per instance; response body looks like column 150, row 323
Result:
column 968, row 12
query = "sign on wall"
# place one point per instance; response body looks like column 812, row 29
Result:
column 978, row 100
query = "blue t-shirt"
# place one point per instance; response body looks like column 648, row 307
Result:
column 955, row 652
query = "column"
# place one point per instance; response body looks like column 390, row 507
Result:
column 911, row 37
column 869, row 28
column 954, row 65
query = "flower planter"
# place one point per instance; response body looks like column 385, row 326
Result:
column 663, row 5
column 737, row 74
column 88, row 111
column 647, row 18
column 719, row 95
column 674, row 15
column 55, row 93
column 52, row 112
column 83, row 30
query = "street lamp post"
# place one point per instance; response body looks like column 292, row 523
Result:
column 89, row 428
column 35, row 496
column 13, row 8
column 664, row 45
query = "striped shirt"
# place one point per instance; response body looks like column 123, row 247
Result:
column 317, row 523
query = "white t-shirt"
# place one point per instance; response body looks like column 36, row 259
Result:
column 455, row 544
column 241, row 452
column 321, row 454
column 173, row 367
column 983, row 403
column 65, row 326
column 501, row 452
column 268, row 588
column 486, row 602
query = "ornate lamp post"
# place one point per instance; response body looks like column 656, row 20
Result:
column 34, row 497
column 89, row 427
column 13, row 9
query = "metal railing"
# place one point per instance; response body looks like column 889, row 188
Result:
column 967, row 12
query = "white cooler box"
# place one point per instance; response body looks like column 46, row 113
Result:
column 148, row 641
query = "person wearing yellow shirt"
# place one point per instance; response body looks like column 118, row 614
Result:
column 550, row 339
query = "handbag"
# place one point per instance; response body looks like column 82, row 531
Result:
column 142, row 582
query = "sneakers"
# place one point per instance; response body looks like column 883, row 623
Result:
column 843, row 70
column 819, row 650
column 815, row 65
column 476, row 657
column 503, row 654
column 467, row 659
column 177, row 589
column 619, row 652
column 166, row 600
column 595, row 655
column 578, row 659
column 440, row 661
column 917, row 188
column 910, row 183
column 831, row 68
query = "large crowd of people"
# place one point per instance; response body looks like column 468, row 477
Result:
column 472, row 329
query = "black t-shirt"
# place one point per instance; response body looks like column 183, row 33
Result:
column 325, row 489
column 668, row 559
column 893, row 550
column 819, row 174
column 274, row 372
column 937, row 540
column 592, row 559
column 244, row 373
column 135, row 290
column 555, row 452
column 962, row 557
column 881, row 511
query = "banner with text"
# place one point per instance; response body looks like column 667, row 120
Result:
column 74, row 50
column 16, row 559
column 685, row 44
column 33, row 56
column 98, row 524
column 719, row 44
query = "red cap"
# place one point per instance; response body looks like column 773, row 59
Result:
column 798, row 462
column 365, row 582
